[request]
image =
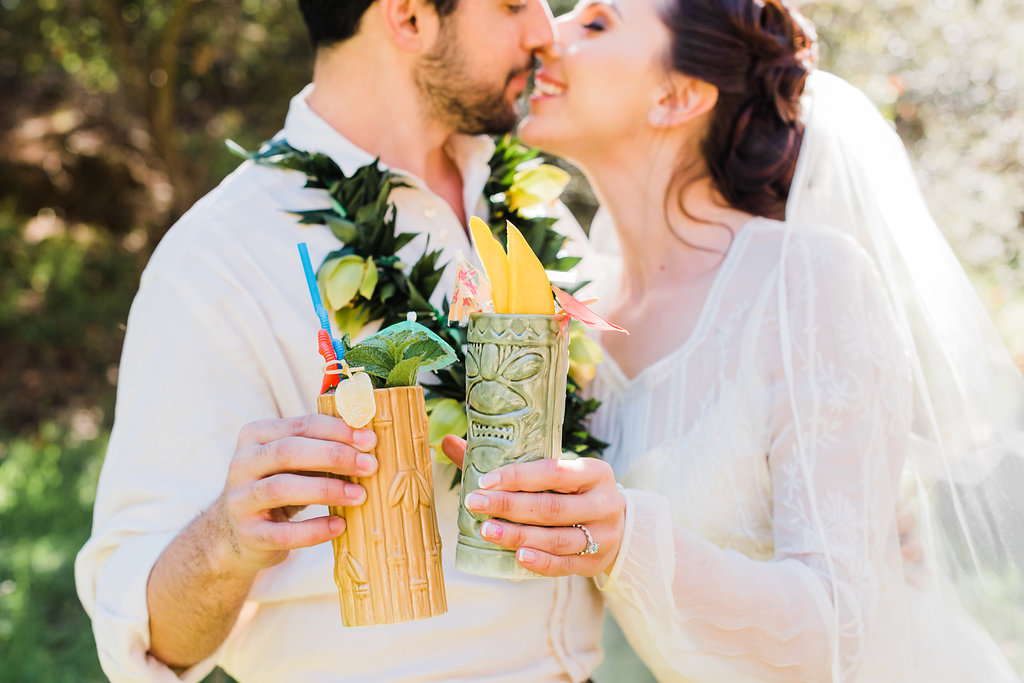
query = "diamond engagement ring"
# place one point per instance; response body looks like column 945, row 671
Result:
column 592, row 546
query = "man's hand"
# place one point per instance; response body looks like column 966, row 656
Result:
column 276, row 471
column 199, row 582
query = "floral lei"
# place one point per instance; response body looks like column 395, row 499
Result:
column 364, row 280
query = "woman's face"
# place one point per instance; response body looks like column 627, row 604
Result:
column 600, row 81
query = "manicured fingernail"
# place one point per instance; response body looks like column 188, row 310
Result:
column 336, row 525
column 526, row 555
column 475, row 501
column 366, row 463
column 355, row 493
column 490, row 479
column 491, row 530
column 364, row 439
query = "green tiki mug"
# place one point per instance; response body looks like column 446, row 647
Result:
column 516, row 367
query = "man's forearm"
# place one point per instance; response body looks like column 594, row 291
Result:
column 199, row 583
column 195, row 592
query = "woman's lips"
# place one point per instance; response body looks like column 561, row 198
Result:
column 546, row 86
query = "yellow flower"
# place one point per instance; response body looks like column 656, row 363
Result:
column 343, row 277
column 538, row 185
column 584, row 354
column 341, row 280
column 351, row 320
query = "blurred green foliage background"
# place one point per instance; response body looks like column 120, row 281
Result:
column 113, row 121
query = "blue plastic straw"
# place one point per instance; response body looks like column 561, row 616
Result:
column 318, row 304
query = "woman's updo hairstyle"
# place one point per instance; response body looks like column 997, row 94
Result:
column 758, row 54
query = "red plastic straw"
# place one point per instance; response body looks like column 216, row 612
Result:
column 327, row 351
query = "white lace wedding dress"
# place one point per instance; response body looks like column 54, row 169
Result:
column 762, row 462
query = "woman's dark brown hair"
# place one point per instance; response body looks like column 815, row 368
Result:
column 758, row 54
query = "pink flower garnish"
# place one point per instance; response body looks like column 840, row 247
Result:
column 577, row 310
column 472, row 293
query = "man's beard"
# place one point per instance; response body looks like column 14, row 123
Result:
column 455, row 99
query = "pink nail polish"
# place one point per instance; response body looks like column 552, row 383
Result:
column 490, row 529
column 476, row 502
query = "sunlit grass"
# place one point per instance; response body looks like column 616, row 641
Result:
column 44, row 633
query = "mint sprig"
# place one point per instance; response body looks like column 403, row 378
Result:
column 395, row 356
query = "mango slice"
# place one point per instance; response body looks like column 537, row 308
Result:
column 529, row 290
column 495, row 262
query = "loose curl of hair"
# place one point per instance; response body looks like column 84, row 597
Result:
column 758, row 54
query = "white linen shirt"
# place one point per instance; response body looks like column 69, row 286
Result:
column 221, row 333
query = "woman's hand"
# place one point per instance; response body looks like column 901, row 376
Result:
column 539, row 503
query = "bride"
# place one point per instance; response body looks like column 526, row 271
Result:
column 805, row 360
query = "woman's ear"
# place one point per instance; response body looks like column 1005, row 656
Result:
column 412, row 24
column 681, row 100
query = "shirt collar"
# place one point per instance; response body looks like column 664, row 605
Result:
column 305, row 130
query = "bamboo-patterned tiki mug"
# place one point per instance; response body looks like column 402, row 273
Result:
column 387, row 563
column 515, row 401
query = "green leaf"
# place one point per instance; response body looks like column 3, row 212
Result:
column 447, row 416
column 427, row 349
column 386, row 291
column 417, row 302
column 565, row 264
column 424, row 277
column 403, row 239
column 404, row 373
column 383, row 346
column 237, row 149
column 337, row 253
column 577, row 287
column 344, row 230
column 313, row 216
column 373, row 360
column 366, row 214
column 339, row 208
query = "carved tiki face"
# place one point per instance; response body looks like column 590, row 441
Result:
column 515, row 396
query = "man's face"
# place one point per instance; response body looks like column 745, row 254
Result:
column 472, row 78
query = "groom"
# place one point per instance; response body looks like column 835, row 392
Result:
column 203, row 549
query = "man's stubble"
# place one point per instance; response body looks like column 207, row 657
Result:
column 452, row 95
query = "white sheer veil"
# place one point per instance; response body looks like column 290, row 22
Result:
column 964, row 474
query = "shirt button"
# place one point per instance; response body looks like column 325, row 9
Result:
column 430, row 212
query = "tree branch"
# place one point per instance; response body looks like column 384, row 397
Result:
column 164, row 103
